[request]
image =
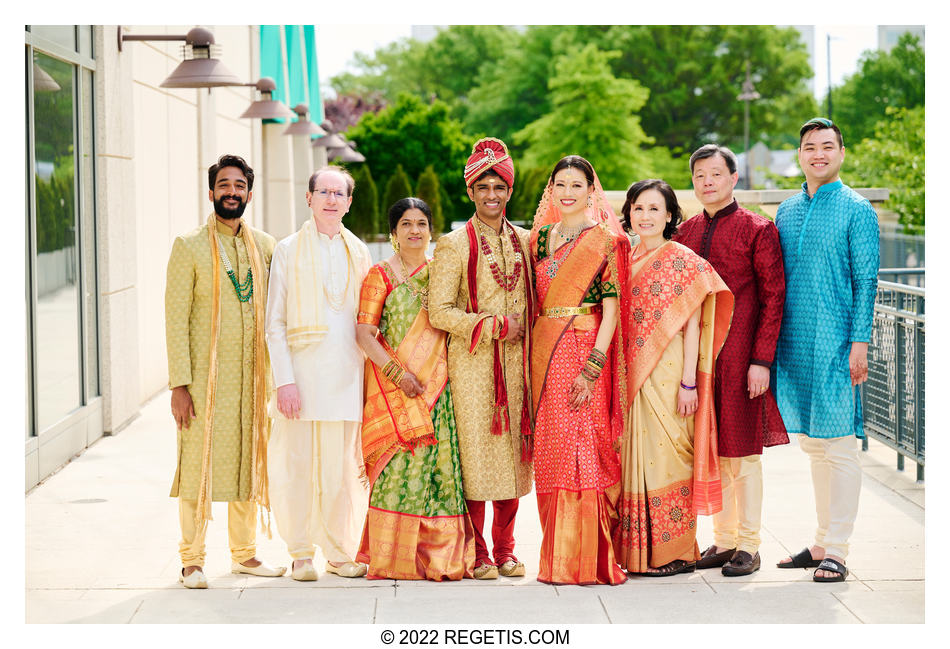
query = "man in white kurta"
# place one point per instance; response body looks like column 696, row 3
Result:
column 318, row 487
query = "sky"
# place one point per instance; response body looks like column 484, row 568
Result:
column 337, row 44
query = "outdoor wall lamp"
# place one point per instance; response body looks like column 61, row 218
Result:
column 331, row 141
column 345, row 154
column 200, row 68
column 266, row 107
column 303, row 126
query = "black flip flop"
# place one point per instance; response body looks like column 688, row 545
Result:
column 832, row 566
column 801, row 560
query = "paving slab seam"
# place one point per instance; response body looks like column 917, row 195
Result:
column 135, row 612
column 604, row 606
column 899, row 492
column 708, row 583
column 375, row 607
column 847, row 608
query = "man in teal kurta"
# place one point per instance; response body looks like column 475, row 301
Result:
column 213, row 341
column 830, row 246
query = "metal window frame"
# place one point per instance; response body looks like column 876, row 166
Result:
column 79, row 63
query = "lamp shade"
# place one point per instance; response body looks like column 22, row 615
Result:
column 266, row 107
column 201, row 73
column 303, row 126
column 331, row 141
column 345, row 154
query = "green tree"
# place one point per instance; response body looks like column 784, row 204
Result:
column 695, row 73
column 447, row 66
column 529, row 186
column 593, row 114
column 364, row 213
column 514, row 91
column 894, row 158
column 427, row 188
column 396, row 188
column 415, row 134
column 884, row 80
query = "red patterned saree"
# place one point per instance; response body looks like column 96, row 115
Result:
column 670, row 463
column 577, row 470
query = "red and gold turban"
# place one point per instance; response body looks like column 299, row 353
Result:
column 490, row 153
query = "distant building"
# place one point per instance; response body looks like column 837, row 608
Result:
column 888, row 35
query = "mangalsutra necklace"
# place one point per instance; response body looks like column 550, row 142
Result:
column 244, row 291
column 507, row 282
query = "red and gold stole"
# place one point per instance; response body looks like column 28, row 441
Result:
column 393, row 422
column 501, row 422
column 667, row 285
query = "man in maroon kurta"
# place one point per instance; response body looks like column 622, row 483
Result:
column 744, row 249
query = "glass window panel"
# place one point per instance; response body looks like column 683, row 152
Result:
column 87, row 221
column 85, row 40
column 64, row 35
column 56, row 328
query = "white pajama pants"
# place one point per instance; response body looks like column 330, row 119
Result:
column 739, row 522
column 316, row 491
column 836, row 474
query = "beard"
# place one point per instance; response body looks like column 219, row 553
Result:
column 229, row 213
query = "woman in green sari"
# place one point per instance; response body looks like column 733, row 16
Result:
column 417, row 526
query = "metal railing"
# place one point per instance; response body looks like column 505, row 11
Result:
column 893, row 396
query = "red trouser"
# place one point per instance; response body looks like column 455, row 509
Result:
column 502, row 530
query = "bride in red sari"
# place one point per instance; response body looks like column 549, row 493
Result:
column 580, row 254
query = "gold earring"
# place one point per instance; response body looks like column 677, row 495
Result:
column 393, row 242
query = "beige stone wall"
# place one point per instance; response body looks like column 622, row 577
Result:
column 154, row 148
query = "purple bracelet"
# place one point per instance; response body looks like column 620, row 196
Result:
column 687, row 387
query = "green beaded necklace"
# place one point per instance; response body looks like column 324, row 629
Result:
column 244, row 291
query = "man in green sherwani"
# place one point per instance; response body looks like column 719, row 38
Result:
column 218, row 371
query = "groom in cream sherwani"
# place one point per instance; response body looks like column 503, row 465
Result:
column 318, row 486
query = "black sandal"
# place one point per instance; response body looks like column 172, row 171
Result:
column 674, row 567
column 831, row 565
column 801, row 560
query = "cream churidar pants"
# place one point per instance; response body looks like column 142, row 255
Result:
column 316, row 493
column 242, row 523
column 738, row 524
column 836, row 474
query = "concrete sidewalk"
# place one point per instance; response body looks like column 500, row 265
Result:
column 102, row 538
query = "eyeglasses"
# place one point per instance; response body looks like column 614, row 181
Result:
column 325, row 193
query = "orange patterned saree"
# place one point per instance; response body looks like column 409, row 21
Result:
column 670, row 463
column 417, row 525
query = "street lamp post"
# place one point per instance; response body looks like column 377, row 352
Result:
column 748, row 95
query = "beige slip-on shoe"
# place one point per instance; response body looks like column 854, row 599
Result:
column 196, row 579
column 263, row 570
column 348, row 569
column 304, row 572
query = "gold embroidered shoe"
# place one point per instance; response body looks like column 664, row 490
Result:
column 348, row 569
column 511, row 568
column 486, row 571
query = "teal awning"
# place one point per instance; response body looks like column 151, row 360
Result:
column 289, row 57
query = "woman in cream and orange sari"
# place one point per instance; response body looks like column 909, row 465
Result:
column 417, row 526
column 679, row 315
column 579, row 253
